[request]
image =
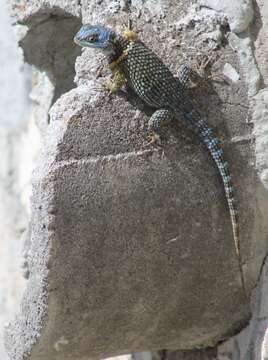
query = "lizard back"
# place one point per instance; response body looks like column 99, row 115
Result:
column 152, row 80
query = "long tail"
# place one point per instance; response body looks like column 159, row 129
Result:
column 206, row 136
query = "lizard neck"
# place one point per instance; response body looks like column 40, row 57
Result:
column 118, row 44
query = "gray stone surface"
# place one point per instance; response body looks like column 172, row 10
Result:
column 131, row 248
column 239, row 13
column 14, row 178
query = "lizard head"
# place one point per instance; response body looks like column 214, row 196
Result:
column 93, row 36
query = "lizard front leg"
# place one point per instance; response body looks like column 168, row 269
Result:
column 201, row 71
column 114, row 84
column 118, row 80
column 191, row 75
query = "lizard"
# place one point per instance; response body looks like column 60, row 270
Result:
column 134, row 64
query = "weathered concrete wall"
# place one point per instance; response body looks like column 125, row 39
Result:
column 130, row 248
column 14, row 169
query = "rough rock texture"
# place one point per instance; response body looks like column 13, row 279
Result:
column 239, row 13
column 15, row 163
column 131, row 249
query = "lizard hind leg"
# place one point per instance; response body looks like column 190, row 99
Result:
column 160, row 119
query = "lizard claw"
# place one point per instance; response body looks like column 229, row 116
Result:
column 107, row 87
column 101, row 89
column 217, row 78
column 200, row 70
column 201, row 64
column 127, row 31
column 154, row 139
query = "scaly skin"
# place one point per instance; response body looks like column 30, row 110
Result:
column 132, row 62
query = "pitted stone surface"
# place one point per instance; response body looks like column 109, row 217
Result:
column 119, row 257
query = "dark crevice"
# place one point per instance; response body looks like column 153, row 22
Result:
column 49, row 46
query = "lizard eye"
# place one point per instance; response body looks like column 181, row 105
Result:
column 92, row 38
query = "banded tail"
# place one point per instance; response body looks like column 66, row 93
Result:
column 206, row 136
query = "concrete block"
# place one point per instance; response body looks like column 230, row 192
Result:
column 131, row 248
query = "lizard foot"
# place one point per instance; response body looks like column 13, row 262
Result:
column 216, row 78
column 127, row 31
column 99, row 86
column 201, row 65
column 130, row 35
column 154, row 139
column 107, row 86
column 201, row 74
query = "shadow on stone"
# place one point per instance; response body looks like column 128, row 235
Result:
column 49, row 46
